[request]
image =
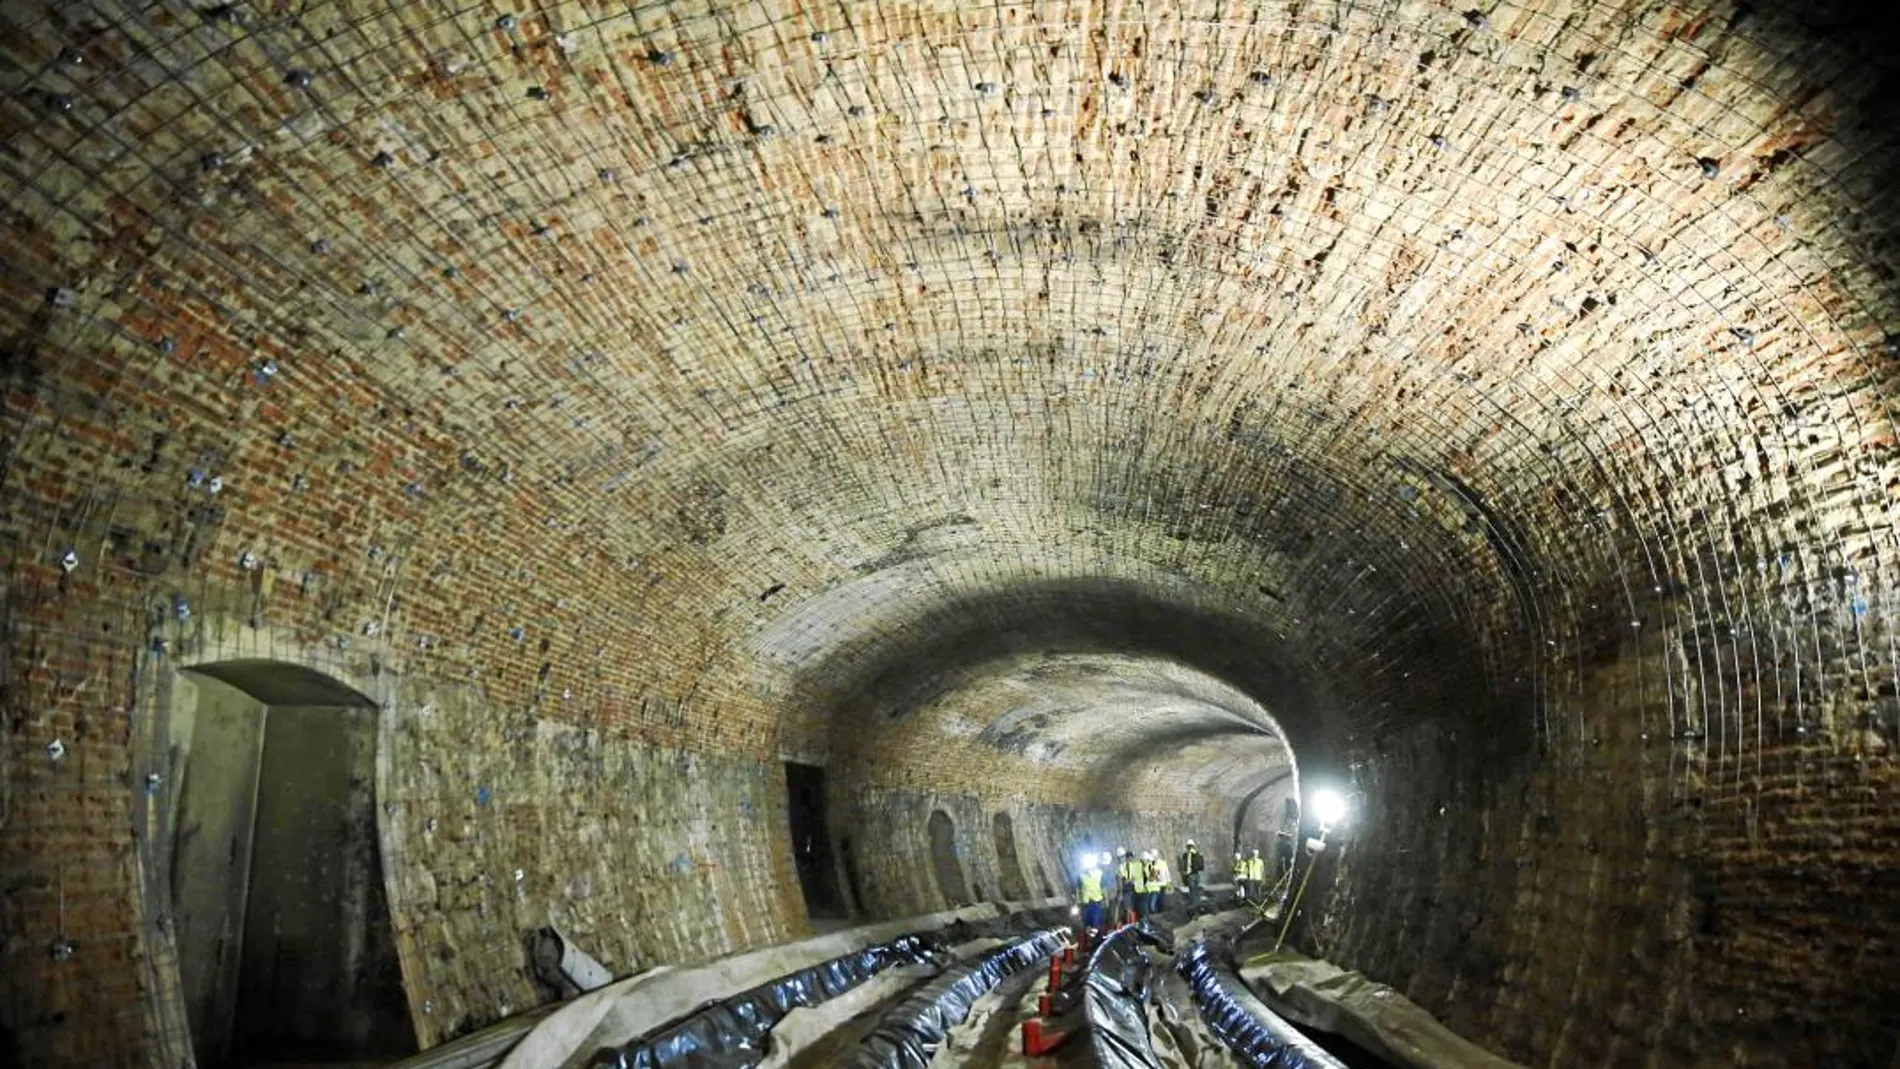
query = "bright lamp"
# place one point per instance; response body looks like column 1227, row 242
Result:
column 1329, row 807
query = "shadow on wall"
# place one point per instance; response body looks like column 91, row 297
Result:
column 285, row 949
column 1042, row 879
column 849, row 859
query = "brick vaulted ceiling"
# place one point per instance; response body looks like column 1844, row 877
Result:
column 1456, row 391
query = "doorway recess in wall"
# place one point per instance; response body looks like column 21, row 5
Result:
column 943, row 855
column 1009, row 868
column 811, row 842
column 285, row 948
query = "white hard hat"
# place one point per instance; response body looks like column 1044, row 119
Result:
column 1190, row 842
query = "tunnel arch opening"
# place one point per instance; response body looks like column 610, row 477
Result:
column 273, row 871
column 872, row 663
column 1138, row 710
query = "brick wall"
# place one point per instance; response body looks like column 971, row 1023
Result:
column 1687, row 881
column 1499, row 397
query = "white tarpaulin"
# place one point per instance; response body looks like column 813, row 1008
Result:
column 1322, row 995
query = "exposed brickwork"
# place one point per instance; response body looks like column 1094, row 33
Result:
column 1499, row 398
column 1638, row 901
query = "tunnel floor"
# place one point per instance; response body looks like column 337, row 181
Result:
column 1042, row 1010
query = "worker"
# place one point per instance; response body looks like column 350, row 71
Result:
column 1240, row 876
column 1090, row 894
column 1158, row 881
column 1127, row 873
column 1257, row 873
column 1192, row 866
column 1143, row 884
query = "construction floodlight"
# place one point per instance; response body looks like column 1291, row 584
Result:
column 1329, row 807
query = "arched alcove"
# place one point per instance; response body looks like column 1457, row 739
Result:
column 273, row 870
column 1008, row 866
column 943, row 857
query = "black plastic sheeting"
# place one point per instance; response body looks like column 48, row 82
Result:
column 1262, row 1042
column 909, row 1035
column 730, row 1033
column 1116, row 998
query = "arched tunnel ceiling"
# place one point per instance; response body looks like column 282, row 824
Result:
column 1085, row 713
column 1443, row 346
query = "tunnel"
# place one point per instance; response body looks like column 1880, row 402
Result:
column 742, row 471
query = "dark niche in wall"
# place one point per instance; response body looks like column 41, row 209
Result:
column 811, row 841
column 274, row 874
column 943, row 856
column 1009, row 868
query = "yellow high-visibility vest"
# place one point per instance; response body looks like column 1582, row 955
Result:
column 1240, row 868
column 1160, row 881
column 1256, row 868
column 1126, row 873
column 1092, row 886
